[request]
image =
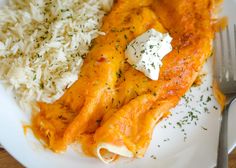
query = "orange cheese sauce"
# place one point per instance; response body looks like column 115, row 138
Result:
column 111, row 101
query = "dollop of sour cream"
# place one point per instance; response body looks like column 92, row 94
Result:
column 146, row 51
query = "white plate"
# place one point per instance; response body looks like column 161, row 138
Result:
column 186, row 145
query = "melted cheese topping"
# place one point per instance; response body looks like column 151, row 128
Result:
column 114, row 104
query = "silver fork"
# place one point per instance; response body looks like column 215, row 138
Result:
column 225, row 76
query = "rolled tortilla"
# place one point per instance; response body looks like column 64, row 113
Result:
column 107, row 152
column 128, row 132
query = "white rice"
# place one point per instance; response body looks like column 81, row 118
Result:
column 42, row 45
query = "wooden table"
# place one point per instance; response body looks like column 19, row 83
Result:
column 7, row 161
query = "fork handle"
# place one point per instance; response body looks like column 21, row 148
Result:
column 222, row 161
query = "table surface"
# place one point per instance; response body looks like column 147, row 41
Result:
column 7, row 161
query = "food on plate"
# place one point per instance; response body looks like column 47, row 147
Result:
column 117, row 101
column 112, row 108
column 42, row 45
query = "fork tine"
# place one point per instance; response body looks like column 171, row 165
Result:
column 234, row 59
column 217, row 58
column 229, row 57
column 222, row 59
column 225, row 60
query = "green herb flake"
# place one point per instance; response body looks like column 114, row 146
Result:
column 208, row 99
column 205, row 129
